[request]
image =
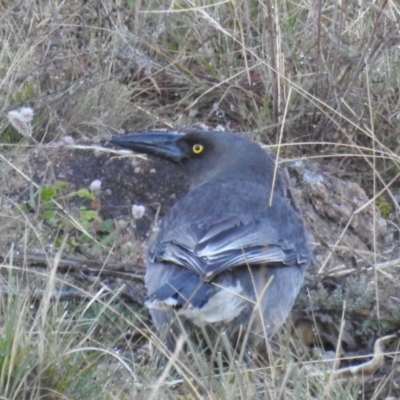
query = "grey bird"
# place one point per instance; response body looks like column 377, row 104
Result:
column 230, row 254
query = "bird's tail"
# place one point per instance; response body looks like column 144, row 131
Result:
column 184, row 289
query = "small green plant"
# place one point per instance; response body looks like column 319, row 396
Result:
column 384, row 207
column 79, row 216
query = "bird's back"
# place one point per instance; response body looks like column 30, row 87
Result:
column 226, row 234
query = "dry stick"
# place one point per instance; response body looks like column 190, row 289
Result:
column 365, row 369
column 390, row 278
column 129, row 154
column 374, row 172
column 283, row 384
column 274, row 65
column 102, row 350
column 279, row 145
column 67, row 294
column 171, row 362
column 370, row 367
column 319, row 50
column 41, row 260
column 243, row 49
column 337, row 353
column 82, row 268
column 72, row 291
column 341, row 270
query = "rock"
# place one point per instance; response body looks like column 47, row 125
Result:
column 346, row 225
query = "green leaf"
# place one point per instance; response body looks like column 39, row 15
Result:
column 85, row 194
column 47, row 193
column 49, row 214
column 61, row 185
column 88, row 215
column 107, row 226
column 110, row 238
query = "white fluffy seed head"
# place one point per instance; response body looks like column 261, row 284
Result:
column 138, row 211
column 27, row 113
column 68, row 140
column 21, row 120
column 95, row 186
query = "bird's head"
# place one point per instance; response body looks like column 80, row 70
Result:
column 203, row 155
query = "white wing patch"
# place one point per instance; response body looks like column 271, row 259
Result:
column 225, row 305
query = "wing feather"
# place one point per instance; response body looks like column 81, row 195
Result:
column 225, row 240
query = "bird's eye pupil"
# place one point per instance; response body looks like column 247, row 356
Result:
column 197, row 148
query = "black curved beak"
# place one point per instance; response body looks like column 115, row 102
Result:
column 162, row 145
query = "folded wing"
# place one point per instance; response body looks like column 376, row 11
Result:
column 225, row 243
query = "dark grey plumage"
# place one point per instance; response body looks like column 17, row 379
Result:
column 228, row 254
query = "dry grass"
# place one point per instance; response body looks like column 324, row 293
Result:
column 313, row 79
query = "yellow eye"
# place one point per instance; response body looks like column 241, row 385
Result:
column 197, row 148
